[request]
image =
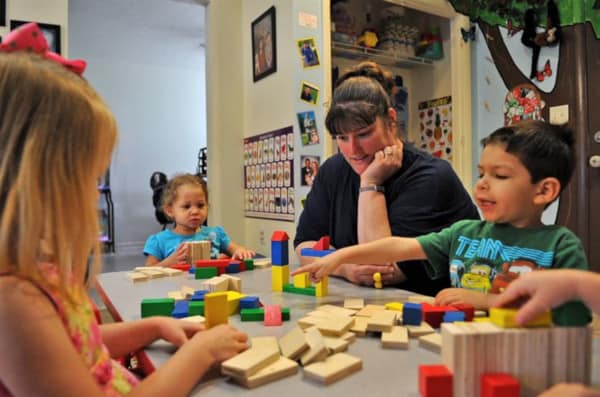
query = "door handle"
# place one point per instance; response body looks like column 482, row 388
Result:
column 595, row 161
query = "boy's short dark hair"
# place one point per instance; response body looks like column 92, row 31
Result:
column 546, row 150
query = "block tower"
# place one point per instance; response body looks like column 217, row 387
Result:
column 280, row 271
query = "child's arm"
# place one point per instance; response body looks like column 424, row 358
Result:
column 547, row 289
column 126, row 337
column 237, row 251
column 178, row 256
column 453, row 296
column 389, row 249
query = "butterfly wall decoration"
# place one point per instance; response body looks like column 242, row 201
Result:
column 468, row 34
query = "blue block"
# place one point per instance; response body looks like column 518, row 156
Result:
column 199, row 295
column 249, row 302
column 233, row 267
column 411, row 314
column 192, row 270
column 181, row 309
column 314, row 252
column 450, row 317
column 279, row 253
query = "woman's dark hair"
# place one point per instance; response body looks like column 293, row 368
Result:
column 360, row 95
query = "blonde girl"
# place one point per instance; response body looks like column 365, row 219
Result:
column 56, row 139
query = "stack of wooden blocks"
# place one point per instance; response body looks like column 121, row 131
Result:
column 144, row 273
column 198, row 250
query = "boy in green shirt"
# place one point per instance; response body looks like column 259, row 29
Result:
column 523, row 169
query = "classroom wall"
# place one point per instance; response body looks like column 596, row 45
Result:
column 146, row 58
column 239, row 108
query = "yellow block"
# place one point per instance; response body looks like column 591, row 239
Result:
column 301, row 280
column 396, row 306
column 215, row 309
column 321, row 288
column 506, row 318
column 233, row 302
column 482, row 319
column 280, row 275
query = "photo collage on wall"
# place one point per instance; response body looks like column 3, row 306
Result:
column 269, row 175
column 435, row 126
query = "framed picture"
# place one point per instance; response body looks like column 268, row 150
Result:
column 264, row 56
column 309, row 93
column 51, row 33
column 308, row 52
column 309, row 166
column 308, row 128
column 2, row 12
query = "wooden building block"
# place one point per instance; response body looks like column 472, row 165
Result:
column 395, row 306
column 337, row 310
column 415, row 331
column 187, row 290
column 215, row 309
column 293, row 344
column 157, row 307
column 322, row 244
column 233, row 302
column 198, row 319
column 262, row 263
column 215, row 284
column 354, row 304
column 137, row 276
column 172, row 272
column 151, row 273
column 235, row 283
column 301, row 280
column 329, row 326
column 432, row 342
column 317, row 350
column 334, row 368
column 322, row 287
column 506, row 318
column 382, row 321
column 435, row 381
column 272, row 315
column 279, row 369
column 421, row 299
column 177, row 295
column 205, row 272
column 349, row 336
column 369, row 310
column 360, row 326
column 499, row 385
column 280, row 275
column 309, row 291
column 263, row 352
column 198, row 250
column 397, row 338
column 335, row 345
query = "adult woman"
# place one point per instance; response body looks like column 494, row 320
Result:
column 377, row 185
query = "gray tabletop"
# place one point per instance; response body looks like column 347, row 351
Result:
column 385, row 371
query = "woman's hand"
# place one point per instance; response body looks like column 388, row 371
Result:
column 386, row 162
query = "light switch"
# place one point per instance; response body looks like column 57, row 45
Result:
column 559, row 114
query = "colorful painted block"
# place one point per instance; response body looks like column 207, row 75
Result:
column 157, row 307
column 435, row 381
column 499, row 385
column 280, row 275
column 411, row 314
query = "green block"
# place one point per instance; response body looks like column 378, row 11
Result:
column 257, row 314
column 206, row 272
column 285, row 313
column 302, row 291
column 157, row 307
column 196, row 308
column 249, row 264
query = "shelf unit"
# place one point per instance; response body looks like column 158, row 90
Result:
column 353, row 52
column 106, row 213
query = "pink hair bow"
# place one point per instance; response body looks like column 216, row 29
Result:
column 29, row 37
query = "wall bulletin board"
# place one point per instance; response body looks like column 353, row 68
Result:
column 269, row 175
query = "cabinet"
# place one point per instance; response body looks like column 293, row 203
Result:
column 106, row 214
column 423, row 78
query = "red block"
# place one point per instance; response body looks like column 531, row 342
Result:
column 181, row 266
column 432, row 315
column 220, row 264
column 322, row 244
column 469, row 310
column 435, row 381
column 273, row 315
column 499, row 385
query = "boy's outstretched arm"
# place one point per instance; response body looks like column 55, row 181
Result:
column 389, row 249
column 547, row 289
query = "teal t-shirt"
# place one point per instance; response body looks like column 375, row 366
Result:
column 486, row 256
column 163, row 244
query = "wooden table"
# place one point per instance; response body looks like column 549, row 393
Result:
column 385, row 372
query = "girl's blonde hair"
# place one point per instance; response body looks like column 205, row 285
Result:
column 170, row 194
column 56, row 139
